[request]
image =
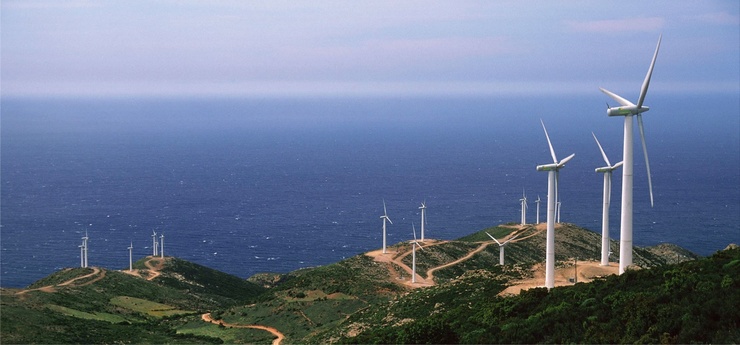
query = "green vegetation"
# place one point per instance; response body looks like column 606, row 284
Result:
column 693, row 301
column 360, row 300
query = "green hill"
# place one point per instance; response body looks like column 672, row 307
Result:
column 369, row 298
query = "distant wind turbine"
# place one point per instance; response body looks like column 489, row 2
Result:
column 501, row 247
column 423, row 209
column 161, row 252
column 131, row 257
column 538, row 209
column 628, row 110
column 607, row 170
column 385, row 218
column 154, row 243
column 84, row 247
column 82, row 254
column 553, row 170
column 524, row 208
column 413, row 254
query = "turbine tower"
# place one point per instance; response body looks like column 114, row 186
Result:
column 628, row 110
column 607, row 170
column 84, row 249
column 82, row 254
column 558, row 208
column 423, row 209
column 501, row 247
column 385, row 218
column 154, row 243
column 552, row 178
column 538, row 209
column 413, row 255
column 524, row 208
column 131, row 257
column 161, row 252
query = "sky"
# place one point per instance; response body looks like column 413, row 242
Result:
column 330, row 48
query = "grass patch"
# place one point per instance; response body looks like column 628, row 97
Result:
column 226, row 334
column 147, row 307
column 107, row 317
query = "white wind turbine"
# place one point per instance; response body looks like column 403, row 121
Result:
column 423, row 209
column 161, row 252
column 385, row 218
column 501, row 247
column 131, row 257
column 82, row 254
column 413, row 254
column 607, row 170
column 84, row 249
column 154, row 243
column 629, row 109
column 524, row 208
column 552, row 178
column 538, row 209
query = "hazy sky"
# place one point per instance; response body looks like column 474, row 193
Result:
column 241, row 48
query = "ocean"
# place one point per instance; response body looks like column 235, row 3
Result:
column 277, row 184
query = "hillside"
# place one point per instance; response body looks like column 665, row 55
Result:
column 94, row 305
column 172, row 300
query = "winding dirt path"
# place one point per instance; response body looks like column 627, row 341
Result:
column 50, row 288
column 430, row 272
column 154, row 270
column 207, row 318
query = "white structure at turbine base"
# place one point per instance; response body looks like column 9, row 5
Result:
column 385, row 218
column 415, row 243
column 607, row 170
column 628, row 110
column 552, row 179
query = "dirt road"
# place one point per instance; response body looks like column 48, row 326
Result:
column 207, row 318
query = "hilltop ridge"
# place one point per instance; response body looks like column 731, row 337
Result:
column 166, row 300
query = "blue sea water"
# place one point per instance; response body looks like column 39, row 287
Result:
column 256, row 185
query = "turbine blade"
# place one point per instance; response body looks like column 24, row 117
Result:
column 565, row 160
column 493, row 238
column 389, row 219
column 619, row 164
column 552, row 151
column 603, row 154
column 414, row 229
column 646, row 82
column 385, row 211
column 647, row 162
column 618, row 98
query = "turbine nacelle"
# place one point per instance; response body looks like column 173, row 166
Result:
column 626, row 110
column 609, row 168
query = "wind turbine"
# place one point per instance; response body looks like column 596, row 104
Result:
column 552, row 178
column 538, row 209
column 385, row 218
column 84, row 249
column 501, row 247
column 82, row 254
column 413, row 255
column 131, row 257
column 161, row 252
column 607, row 170
column 154, row 243
column 524, row 208
column 423, row 209
column 629, row 109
